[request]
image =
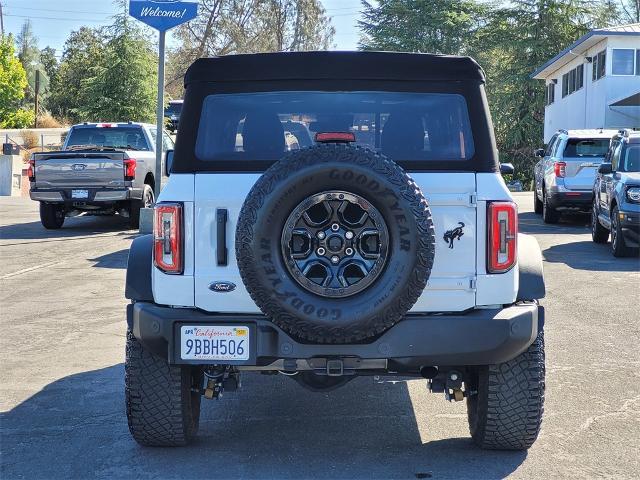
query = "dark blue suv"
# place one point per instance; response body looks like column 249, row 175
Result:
column 616, row 200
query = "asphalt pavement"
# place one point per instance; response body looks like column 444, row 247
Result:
column 62, row 378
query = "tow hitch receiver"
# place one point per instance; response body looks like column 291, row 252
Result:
column 219, row 379
column 451, row 385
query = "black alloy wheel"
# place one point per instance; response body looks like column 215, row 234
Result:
column 335, row 244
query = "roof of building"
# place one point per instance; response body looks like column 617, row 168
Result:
column 581, row 45
column 331, row 65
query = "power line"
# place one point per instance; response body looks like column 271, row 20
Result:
column 54, row 10
column 57, row 18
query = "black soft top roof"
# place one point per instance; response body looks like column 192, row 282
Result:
column 333, row 65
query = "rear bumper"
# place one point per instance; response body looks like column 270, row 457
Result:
column 562, row 198
column 95, row 195
column 480, row 337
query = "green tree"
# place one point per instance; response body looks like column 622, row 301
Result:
column 437, row 26
column 83, row 50
column 122, row 84
column 13, row 81
column 517, row 39
column 29, row 55
column 247, row 26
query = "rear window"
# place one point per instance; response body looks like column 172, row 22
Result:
column 580, row 147
column 173, row 109
column 130, row 138
column 404, row 126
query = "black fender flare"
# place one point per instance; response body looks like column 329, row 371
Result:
column 138, row 282
column 531, row 286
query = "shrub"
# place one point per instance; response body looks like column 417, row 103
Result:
column 48, row 121
column 30, row 139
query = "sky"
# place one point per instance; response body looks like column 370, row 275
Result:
column 53, row 20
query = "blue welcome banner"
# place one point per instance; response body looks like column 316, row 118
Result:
column 163, row 14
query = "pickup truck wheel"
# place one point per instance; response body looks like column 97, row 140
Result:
column 506, row 412
column 549, row 214
column 335, row 243
column 51, row 215
column 599, row 234
column 145, row 202
column 618, row 247
column 537, row 204
column 162, row 400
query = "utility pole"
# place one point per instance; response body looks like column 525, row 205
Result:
column 1, row 21
column 36, row 97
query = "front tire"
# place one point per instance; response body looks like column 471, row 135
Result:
column 599, row 234
column 537, row 204
column 52, row 215
column 162, row 400
column 618, row 247
column 506, row 412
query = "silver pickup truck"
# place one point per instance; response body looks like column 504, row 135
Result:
column 103, row 169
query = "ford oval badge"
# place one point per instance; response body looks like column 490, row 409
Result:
column 222, row 287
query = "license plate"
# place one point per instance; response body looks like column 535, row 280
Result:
column 79, row 193
column 214, row 342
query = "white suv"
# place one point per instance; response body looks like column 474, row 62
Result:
column 382, row 241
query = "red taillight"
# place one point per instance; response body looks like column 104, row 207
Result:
column 31, row 171
column 335, row 137
column 502, row 228
column 129, row 168
column 167, row 238
column 560, row 169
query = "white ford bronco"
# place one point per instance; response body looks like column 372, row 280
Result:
column 329, row 215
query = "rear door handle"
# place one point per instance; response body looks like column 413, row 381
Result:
column 221, row 236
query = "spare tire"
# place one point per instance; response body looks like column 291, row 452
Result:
column 335, row 243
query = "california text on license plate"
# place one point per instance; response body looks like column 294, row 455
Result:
column 79, row 193
column 214, row 342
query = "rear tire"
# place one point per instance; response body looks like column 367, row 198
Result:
column 51, row 215
column 599, row 234
column 537, row 204
column 506, row 413
column 618, row 247
column 145, row 202
column 549, row 214
column 162, row 408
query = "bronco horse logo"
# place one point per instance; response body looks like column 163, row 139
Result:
column 451, row 235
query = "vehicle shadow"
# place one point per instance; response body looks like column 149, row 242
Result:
column 73, row 227
column 570, row 223
column 112, row 260
column 587, row 255
column 272, row 428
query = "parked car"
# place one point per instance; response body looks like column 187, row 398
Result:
column 616, row 200
column 328, row 262
column 172, row 114
column 103, row 169
column 515, row 186
column 564, row 176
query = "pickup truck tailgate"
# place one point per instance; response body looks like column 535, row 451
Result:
column 73, row 169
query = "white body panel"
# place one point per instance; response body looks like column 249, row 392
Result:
column 458, row 279
column 178, row 289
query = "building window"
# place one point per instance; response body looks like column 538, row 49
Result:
column 599, row 65
column 579, row 76
column 573, row 80
column 623, row 60
column 550, row 94
column 638, row 62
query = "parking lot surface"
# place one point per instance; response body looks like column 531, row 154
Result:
column 62, row 378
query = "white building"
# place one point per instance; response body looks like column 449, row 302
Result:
column 594, row 83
